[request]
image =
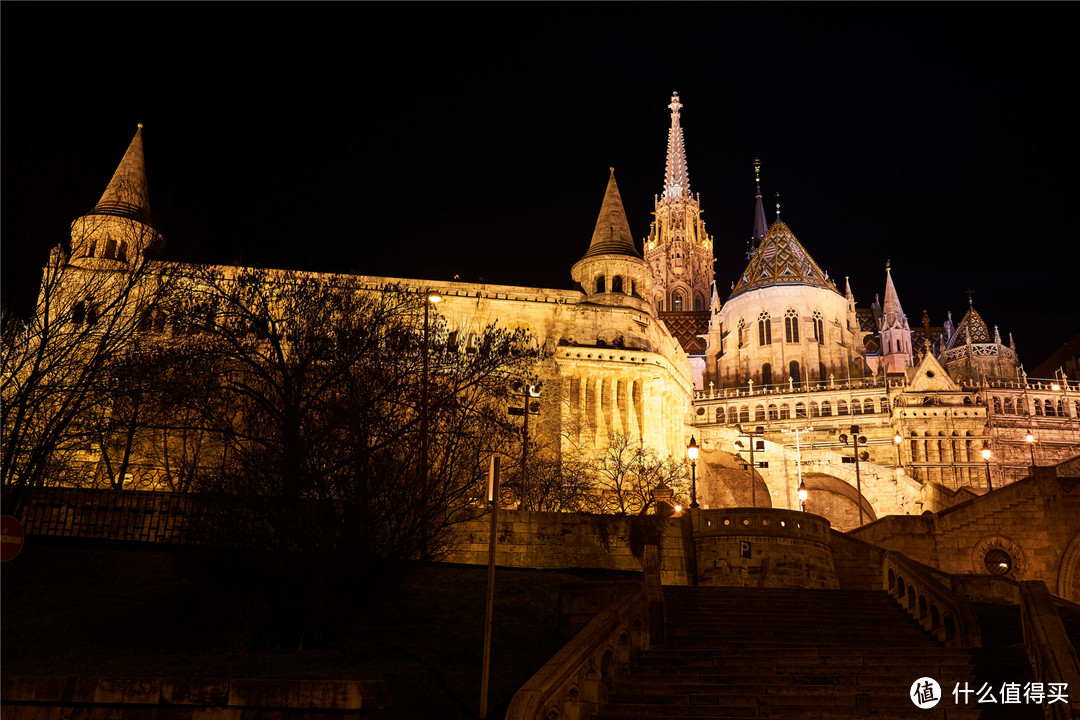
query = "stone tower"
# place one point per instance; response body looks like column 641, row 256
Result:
column 678, row 250
column 116, row 233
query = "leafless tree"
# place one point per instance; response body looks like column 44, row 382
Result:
column 54, row 363
column 625, row 474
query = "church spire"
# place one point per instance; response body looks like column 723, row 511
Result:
column 128, row 195
column 891, row 308
column 761, row 225
column 676, row 177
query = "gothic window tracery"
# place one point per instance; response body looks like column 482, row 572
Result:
column 819, row 328
column 791, row 325
column 764, row 328
column 742, row 333
column 678, row 301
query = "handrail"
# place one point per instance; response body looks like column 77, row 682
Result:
column 1052, row 656
column 577, row 677
column 940, row 610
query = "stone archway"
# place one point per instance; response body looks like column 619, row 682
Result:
column 836, row 500
column 1069, row 572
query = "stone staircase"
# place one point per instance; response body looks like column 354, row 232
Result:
column 788, row 653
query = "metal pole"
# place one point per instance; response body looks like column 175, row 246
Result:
column 424, row 404
column 493, row 494
column 989, row 484
column 753, row 488
column 693, row 485
column 525, row 440
column 858, row 477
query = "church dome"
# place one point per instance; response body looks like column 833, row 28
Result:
column 781, row 259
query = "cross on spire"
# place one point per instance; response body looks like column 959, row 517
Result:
column 970, row 293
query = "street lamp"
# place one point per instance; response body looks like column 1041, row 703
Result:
column 755, row 444
column 856, row 441
column 691, row 452
column 1030, row 438
column 897, row 439
column 431, row 299
column 802, row 494
column 986, row 458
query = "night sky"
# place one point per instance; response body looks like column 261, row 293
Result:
column 425, row 141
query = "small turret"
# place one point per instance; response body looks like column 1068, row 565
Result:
column 612, row 272
column 118, row 230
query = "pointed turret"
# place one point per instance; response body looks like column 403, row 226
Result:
column 119, row 229
column 611, row 271
column 127, row 194
column 894, row 331
column 974, row 352
column 612, row 236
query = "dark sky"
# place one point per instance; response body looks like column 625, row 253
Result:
column 424, row 140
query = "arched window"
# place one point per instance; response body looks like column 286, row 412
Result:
column 759, row 413
column 766, row 374
column 815, row 411
column 996, row 403
column 800, row 410
column 764, row 328
column 794, row 372
column 1009, row 409
column 885, row 405
column 1061, row 408
column 856, row 407
column 773, row 412
column 699, row 302
column 841, row 407
column 78, row 314
column 819, row 328
column 121, row 254
column 1038, row 407
column 677, row 301
column 744, row 413
column 826, row 409
column 1050, row 408
column 868, row 407
column 742, row 332
column 791, row 326
column 110, row 248
column 633, row 288
column 600, row 285
column 616, row 284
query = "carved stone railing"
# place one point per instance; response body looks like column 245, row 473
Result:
column 942, row 612
column 1052, row 656
column 574, row 683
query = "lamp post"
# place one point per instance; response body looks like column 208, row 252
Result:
column 986, row 458
column 798, row 462
column 897, row 439
column 753, row 440
column 691, row 452
column 429, row 300
column 856, row 441
column 1030, row 438
column 802, row 495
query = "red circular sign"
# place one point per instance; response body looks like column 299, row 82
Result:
column 11, row 537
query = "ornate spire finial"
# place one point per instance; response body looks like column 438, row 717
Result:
column 676, row 177
column 777, row 206
column 970, row 292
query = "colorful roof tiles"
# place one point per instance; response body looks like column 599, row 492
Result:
column 781, row 259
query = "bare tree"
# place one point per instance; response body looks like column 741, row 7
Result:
column 53, row 365
column 322, row 404
column 625, row 474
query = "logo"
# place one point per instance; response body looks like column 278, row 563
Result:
column 925, row 693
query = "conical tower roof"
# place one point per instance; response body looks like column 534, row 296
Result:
column 892, row 300
column 128, row 195
column 611, row 236
column 973, row 324
column 781, row 259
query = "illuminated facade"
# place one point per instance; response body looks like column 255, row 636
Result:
column 647, row 348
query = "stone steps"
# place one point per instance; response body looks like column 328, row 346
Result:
column 802, row 654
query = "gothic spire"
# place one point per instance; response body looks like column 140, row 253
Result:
column 676, row 177
column 127, row 195
column 892, row 308
column 761, row 225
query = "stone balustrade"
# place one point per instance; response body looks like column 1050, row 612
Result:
column 941, row 611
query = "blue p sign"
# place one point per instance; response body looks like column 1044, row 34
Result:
column 744, row 549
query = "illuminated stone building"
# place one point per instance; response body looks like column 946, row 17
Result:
column 648, row 347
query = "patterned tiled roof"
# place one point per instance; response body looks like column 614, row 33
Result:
column 980, row 333
column 686, row 327
column 781, row 259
